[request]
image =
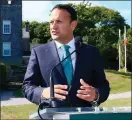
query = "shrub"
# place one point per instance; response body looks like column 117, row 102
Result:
column 35, row 40
column 4, row 70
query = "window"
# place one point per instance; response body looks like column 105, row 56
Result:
column 6, row 27
column 6, row 48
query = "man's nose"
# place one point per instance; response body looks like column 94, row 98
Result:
column 54, row 25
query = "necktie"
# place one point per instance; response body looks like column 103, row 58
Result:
column 67, row 65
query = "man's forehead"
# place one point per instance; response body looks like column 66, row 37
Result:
column 59, row 14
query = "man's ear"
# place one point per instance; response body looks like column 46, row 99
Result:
column 74, row 24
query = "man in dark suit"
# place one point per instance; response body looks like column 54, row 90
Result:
column 80, row 79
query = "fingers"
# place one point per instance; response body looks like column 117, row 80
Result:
column 85, row 97
column 60, row 87
column 86, row 87
column 59, row 91
column 46, row 92
column 84, row 92
column 83, row 83
column 61, row 97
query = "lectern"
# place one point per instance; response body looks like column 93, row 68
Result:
column 84, row 113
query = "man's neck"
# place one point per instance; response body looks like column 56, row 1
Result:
column 65, row 41
column 70, row 43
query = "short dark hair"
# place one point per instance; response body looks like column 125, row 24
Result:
column 69, row 9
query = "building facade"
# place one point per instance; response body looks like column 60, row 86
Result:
column 11, row 31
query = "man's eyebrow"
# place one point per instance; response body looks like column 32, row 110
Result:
column 56, row 20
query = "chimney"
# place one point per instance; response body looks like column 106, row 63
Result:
column 27, row 26
column 9, row 2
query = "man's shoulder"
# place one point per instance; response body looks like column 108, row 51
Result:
column 90, row 47
column 91, row 50
column 43, row 46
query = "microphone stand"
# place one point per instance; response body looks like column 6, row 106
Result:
column 53, row 102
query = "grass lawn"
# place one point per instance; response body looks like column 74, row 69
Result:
column 23, row 111
column 17, row 112
column 119, row 82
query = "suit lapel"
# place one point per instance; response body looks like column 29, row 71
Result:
column 53, row 54
column 77, row 64
column 53, row 59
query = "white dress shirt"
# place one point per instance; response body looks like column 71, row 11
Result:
column 61, row 51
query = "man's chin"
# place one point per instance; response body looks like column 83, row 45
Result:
column 55, row 37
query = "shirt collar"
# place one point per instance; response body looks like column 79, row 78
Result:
column 71, row 44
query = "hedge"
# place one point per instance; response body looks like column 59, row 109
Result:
column 4, row 69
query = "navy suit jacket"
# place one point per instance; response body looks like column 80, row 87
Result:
column 88, row 66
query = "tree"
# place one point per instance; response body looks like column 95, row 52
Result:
column 83, row 22
column 32, row 27
column 42, row 32
column 23, row 24
column 129, row 49
column 99, row 26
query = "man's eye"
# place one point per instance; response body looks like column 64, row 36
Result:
column 59, row 21
column 51, row 21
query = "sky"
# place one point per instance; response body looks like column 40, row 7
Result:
column 40, row 10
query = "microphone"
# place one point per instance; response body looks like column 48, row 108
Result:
column 53, row 102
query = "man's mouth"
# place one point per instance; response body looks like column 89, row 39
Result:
column 54, row 32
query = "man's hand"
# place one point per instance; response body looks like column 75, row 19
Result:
column 87, row 92
column 60, row 92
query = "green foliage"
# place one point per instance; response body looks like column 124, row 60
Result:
column 3, row 74
column 32, row 26
column 99, row 27
column 42, row 32
column 83, row 21
column 35, row 40
column 39, row 32
column 23, row 24
column 129, row 49
column 18, row 93
column 123, row 70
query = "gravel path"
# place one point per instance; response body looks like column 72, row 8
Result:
column 120, row 95
column 7, row 98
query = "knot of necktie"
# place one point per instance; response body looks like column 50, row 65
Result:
column 66, row 47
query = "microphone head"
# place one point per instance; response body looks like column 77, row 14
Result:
column 78, row 39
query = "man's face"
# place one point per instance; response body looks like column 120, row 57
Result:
column 61, row 26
